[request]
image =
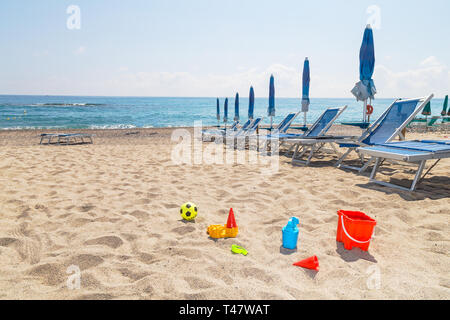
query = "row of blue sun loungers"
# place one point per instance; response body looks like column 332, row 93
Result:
column 375, row 142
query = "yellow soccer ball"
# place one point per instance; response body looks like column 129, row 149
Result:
column 188, row 211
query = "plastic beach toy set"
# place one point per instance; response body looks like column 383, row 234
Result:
column 354, row 230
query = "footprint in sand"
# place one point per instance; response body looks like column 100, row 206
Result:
column 51, row 274
column 445, row 283
column 265, row 295
column 183, row 230
column 257, row 273
column 274, row 221
column 110, row 241
column 140, row 215
column 144, row 200
column 89, row 281
column 147, row 258
column 145, row 285
column 198, row 283
column 24, row 212
column 95, row 296
column 28, row 244
column 434, row 236
column 39, row 206
column 271, row 230
column 29, row 250
column 80, row 222
column 170, row 205
column 85, row 261
column 194, row 254
column 86, row 207
column 4, row 242
column 126, row 272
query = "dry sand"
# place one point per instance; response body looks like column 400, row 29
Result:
column 112, row 209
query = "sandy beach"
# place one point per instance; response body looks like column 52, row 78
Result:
column 112, row 209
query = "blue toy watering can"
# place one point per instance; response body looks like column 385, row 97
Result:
column 290, row 234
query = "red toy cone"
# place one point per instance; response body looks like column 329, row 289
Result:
column 310, row 263
column 231, row 223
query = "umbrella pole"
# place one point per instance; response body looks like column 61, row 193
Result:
column 365, row 111
column 271, row 121
column 304, row 119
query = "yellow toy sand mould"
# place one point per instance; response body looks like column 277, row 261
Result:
column 229, row 230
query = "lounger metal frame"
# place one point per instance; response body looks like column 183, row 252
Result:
column 420, row 158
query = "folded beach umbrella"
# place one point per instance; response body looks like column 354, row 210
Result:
column 225, row 112
column 365, row 88
column 218, row 112
column 444, row 107
column 305, row 88
column 427, row 110
column 236, row 107
column 251, row 103
column 271, row 109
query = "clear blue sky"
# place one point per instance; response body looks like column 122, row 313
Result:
column 215, row 48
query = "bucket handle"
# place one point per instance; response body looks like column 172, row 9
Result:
column 346, row 233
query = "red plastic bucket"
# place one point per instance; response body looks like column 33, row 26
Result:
column 354, row 229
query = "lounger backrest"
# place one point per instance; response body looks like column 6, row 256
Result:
column 323, row 124
column 251, row 126
column 246, row 124
column 234, row 126
column 245, row 127
column 392, row 121
column 286, row 123
column 254, row 125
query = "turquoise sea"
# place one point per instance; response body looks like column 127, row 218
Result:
column 53, row 112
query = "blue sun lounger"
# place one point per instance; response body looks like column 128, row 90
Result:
column 281, row 128
column 387, row 127
column 418, row 152
column 240, row 137
column 311, row 137
column 211, row 132
column 66, row 138
column 207, row 135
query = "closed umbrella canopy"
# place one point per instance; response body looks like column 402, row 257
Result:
column 427, row 110
column 367, row 61
column 236, row 107
column 444, row 107
column 367, row 55
column 218, row 110
column 251, row 103
column 225, row 111
column 365, row 88
column 271, row 109
column 305, row 86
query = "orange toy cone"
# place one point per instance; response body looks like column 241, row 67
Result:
column 310, row 263
column 231, row 223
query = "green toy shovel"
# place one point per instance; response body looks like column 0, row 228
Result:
column 238, row 249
